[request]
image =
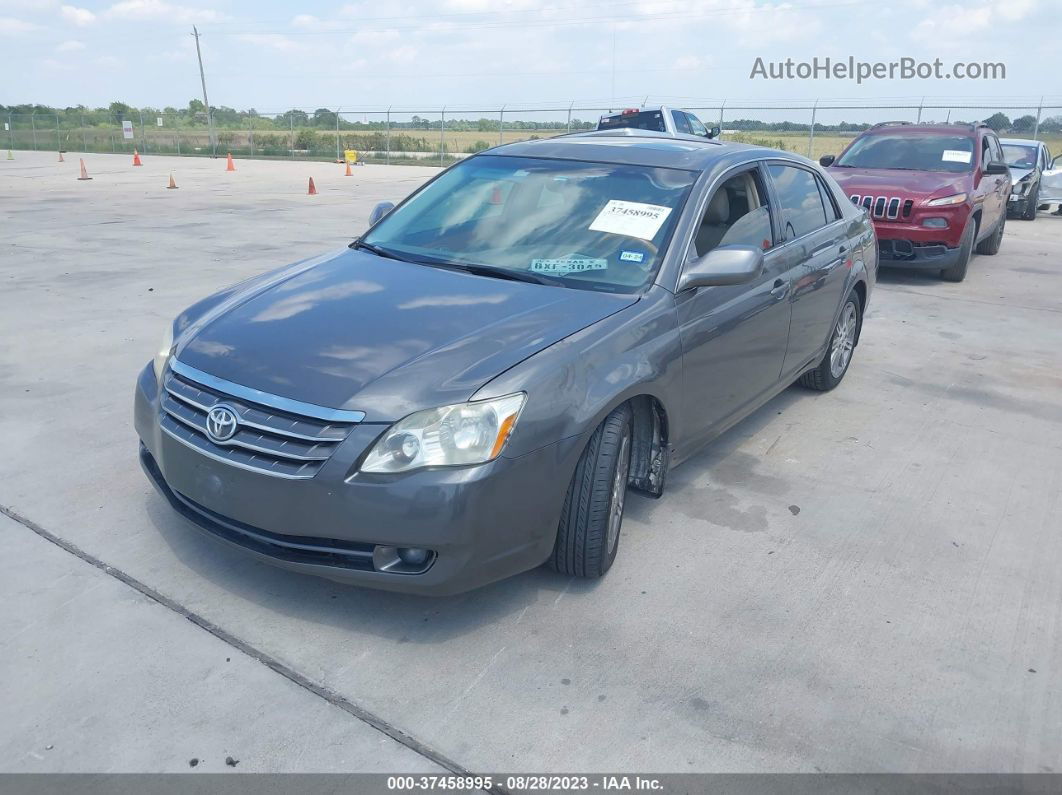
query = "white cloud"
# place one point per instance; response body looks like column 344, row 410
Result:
column 274, row 41
column 403, row 54
column 77, row 16
column 9, row 26
column 71, row 45
column 158, row 9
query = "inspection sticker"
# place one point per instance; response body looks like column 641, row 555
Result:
column 633, row 219
column 956, row 156
column 631, row 256
column 565, row 265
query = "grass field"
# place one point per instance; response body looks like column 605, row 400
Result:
column 321, row 144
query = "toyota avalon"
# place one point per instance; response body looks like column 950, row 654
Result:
column 470, row 388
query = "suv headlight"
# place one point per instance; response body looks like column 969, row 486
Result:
column 162, row 353
column 943, row 201
column 465, row 433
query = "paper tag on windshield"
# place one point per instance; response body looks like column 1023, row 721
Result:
column 633, row 219
column 568, row 265
column 955, row 156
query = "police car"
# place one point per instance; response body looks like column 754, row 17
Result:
column 658, row 119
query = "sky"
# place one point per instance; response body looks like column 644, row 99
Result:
column 481, row 54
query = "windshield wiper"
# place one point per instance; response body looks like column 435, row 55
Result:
column 495, row 272
column 379, row 251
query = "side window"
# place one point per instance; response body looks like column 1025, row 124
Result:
column 681, row 125
column 696, row 126
column 986, row 153
column 995, row 149
column 736, row 215
column 800, row 198
column 832, row 213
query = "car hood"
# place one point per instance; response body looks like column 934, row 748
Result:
column 1018, row 174
column 355, row 331
column 889, row 182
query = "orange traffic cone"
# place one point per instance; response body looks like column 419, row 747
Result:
column 230, row 166
column 172, row 185
column 136, row 158
column 348, row 174
column 312, row 191
column 84, row 171
column 61, row 156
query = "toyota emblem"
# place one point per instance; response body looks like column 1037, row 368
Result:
column 222, row 423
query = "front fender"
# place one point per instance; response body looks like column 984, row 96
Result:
column 572, row 385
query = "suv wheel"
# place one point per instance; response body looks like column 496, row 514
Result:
column 834, row 364
column 1030, row 205
column 957, row 272
column 991, row 244
column 588, row 535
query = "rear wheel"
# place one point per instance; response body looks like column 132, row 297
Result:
column 991, row 244
column 589, row 530
column 834, row 364
column 957, row 272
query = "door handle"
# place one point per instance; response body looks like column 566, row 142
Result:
column 780, row 288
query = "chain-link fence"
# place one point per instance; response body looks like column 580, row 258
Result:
column 440, row 136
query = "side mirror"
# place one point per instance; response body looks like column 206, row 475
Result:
column 826, row 161
column 714, row 132
column 379, row 211
column 722, row 266
column 996, row 167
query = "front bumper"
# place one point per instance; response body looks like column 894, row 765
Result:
column 899, row 253
column 1019, row 205
column 482, row 523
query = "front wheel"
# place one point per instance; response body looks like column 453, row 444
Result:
column 957, row 272
column 1030, row 205
column 834, row 363
column 588, row 534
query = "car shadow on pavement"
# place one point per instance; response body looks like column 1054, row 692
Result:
column 408, row 618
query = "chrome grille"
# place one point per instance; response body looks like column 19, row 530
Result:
column 888, row 208
column 268, row 439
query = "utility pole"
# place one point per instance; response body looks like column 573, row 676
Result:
column 202, row 78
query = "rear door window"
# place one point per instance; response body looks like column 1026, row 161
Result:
column 681, row 125
column 800, row 198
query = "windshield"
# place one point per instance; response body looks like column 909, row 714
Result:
column 1019, row 156
column 596, row 226
column 950, row 153
column 643, row 120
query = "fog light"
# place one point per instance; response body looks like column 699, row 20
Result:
column 413, row 556
column 935, row 223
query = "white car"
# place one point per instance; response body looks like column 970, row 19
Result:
column 1036, row 179
column 657, row 119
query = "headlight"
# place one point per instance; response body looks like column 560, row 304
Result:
column 465, row 433
column 162, row 353
column 958, row 198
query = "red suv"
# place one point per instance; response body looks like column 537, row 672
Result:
column 935, row 192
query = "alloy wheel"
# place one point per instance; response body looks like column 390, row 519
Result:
column 843, row 341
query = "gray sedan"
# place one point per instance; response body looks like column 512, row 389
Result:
column 469, row 390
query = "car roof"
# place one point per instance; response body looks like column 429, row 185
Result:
column 642, row 148
column 907, row 127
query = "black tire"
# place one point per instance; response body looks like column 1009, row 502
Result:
column 826, row 376
column 990, row 245
column 1030, row 205
column 582, row 548
column 957, row 272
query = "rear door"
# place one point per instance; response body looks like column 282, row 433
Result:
column 815, row 235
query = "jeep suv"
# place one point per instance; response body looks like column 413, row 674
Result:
column 935, row 192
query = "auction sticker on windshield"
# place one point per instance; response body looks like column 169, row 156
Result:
column 633, row 219
column 565, row 265
column 956, row 156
